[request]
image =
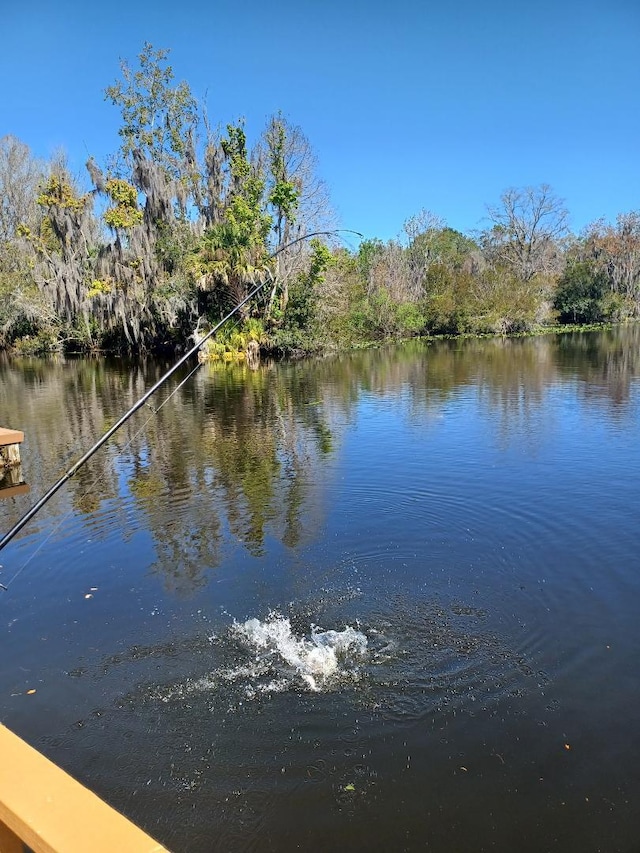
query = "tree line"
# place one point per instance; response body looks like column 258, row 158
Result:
column 186, row 218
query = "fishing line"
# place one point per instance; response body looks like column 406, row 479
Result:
column 177, row 388
column 63, row 518
column 141, row 402
column 56, row 525
column 60, row 521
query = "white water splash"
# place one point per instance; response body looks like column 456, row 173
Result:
column 317, row 659
column 267, row 657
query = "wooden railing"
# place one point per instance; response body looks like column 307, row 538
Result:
column 10, row 441
column 43, row 809
column 11, row 480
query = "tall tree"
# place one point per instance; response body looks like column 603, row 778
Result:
column 150, row 189
column 616, row 250
column 612, row 252
column 22, row 308
column 233, row 251
column 528, row 227
column 158, row 116
column 297, row 200
column 20, row 178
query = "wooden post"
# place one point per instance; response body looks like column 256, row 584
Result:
column 10, row 441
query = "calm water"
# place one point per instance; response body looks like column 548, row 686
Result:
column 387, row 601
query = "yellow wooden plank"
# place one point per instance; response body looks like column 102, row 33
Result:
column 52, row 813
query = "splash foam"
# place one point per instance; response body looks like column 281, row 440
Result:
column 317, row 659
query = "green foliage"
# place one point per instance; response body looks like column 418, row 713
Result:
column 83, row 335
column 320, row 261
column 580, row 294
column 411, row 319
column 231, row 343
column 617, row 307
column 247, row 225
column 490, row 302
column 505, row 304
column 173, row 247
column 300, row 312
column 41, row 343
column 24, row 311
column 43, row 241
column 445, row 246
column 381, row 317
column 298, row 330
column 233, row 251
column 100, row 286
column 58, row 192
column 369, row 253
column 234, row 147
column 122, row 192
column 157, row 115
column 284, row 192
column 125, row 212
column 285, row 197
column 246, row 222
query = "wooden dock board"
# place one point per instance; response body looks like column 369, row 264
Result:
column 10, row 436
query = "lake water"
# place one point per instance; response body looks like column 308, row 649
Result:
column 382, row 601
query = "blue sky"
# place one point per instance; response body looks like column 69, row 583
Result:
column 408, row 105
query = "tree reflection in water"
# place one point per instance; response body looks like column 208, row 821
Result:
column 238, row 455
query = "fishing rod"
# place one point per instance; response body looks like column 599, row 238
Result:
column 17, row 527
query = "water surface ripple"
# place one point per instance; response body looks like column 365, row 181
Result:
column 382, row 601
